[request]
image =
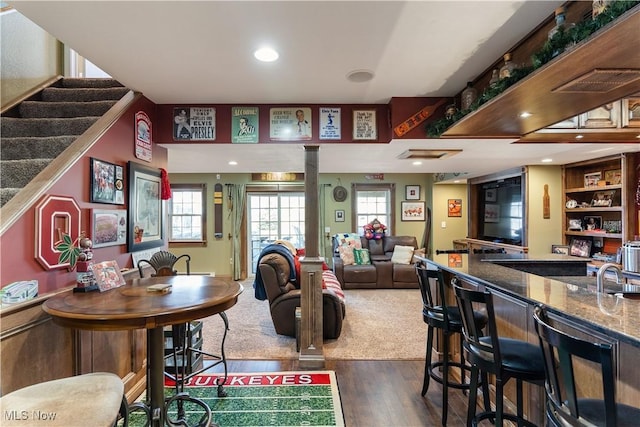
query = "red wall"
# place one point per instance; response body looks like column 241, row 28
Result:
column 17, row 248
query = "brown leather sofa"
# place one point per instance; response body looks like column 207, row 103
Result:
column 381, row 273
column 284, row 297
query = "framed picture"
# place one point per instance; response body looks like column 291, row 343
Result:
column 339, row 216
column 613, row 177
column 491, row 213
column 106, row 182
column 490, row 195
column 580, row 247
column 412, row 192
column 108, row 227
column 603, row 198
column 591, row 179
column 560, row 249
column 365, row 125
column 575, row 225
column 454, row 207
column 412, row 211
column 592, row 223
column 107, row 275
column 145, row 225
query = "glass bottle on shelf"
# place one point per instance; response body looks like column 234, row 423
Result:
column 468, row 96
column 507, row 69
column 495, row 77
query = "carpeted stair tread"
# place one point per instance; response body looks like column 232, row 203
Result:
column 7, row 194
column 29, row 148
column 57, row 94
column 12, row 127
column 40, row 109
column 18, row 173
column 74, row 82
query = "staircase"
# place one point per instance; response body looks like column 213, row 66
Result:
column 38, row 129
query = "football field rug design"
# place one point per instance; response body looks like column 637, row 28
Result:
column 297, row 398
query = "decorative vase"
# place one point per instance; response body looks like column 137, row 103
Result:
column 495, row 77
column 469, row 95
column 507, row 69
column 450, row 111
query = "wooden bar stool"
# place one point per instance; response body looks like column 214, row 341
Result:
column 564, row 407
column 437, row 315
column 505, row 358
column 95, row 400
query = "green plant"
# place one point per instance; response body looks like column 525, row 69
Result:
column 561, row 41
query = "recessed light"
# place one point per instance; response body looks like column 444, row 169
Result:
column 579, row 136
column 360, row 76
column 266, row 54
column 525, row 114
column 416, row 163
column 233, row 163
column 546, row 160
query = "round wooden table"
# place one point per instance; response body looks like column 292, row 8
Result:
column 133, row 306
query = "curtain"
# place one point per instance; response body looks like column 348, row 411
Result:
column 325, row 247
column 238, row 198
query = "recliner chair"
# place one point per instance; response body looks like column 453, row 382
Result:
column 284, row 297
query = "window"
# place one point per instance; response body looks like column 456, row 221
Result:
column 187, row 213
column 372, row 201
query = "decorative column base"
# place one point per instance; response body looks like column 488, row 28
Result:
column 311, row 333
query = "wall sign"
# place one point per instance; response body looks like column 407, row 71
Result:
column 55, row 215
column 194, row 124
column 290, row 124
column 143, row 136
column 245, row 125
column 365, row 126
column 330, row 123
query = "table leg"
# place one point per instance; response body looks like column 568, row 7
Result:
column 155, row 375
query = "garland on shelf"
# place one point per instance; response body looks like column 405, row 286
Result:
column 562, row 40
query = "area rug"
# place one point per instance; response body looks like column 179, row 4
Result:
column 308, row 398
column 380, row 324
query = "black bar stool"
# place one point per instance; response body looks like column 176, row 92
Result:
column 505, row 358
column 564, row 407
column 447, row 319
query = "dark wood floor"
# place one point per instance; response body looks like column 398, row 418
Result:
column 378, row 393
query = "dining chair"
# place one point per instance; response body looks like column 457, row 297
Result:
column 492, row 354
column 446, row 319
column 564, row 407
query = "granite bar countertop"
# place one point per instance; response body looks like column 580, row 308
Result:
column 572, row 297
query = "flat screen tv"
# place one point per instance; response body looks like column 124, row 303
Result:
column 501, row 211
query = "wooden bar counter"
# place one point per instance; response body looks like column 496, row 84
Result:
column 572, row 304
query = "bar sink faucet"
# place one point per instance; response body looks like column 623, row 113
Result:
column 601, row 272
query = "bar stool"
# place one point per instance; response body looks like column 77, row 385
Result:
column 95, row 399
column 564, row 407
column 505, row 358
column 447, row 319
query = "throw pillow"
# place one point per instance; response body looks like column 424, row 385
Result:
column 417, row 253
column 346, row 255
column 402, row 254
column 361, row 256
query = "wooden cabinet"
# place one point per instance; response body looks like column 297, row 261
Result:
column 596, row 203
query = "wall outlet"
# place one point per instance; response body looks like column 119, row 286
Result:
column 231, row 261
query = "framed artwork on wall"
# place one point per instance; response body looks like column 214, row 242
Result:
column 412, row 192
column 106, row 182
column 339, row 215
column 412, row 211
column 108, row 227
column 145, row 227
column 365, row 125
column 454, row 208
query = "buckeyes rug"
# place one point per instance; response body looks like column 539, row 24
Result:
column 308, row 398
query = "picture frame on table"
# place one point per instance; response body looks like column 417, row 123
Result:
column 108, row 227
column 412, row 211
column 603, row 198
column 339, row 215
column 412, row 192
column 592, row 223
column 613, row 176
column 107, row 275
column 591, row 179
column 580, row 247
column 560, row 249
column 145, row 228
column 107, row 184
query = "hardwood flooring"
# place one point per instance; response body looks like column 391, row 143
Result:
column 378, row 393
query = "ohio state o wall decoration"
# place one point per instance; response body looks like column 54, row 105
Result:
column 55, row 215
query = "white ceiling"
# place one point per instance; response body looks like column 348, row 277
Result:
column 188, row 52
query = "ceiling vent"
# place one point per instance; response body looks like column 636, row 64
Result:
column 600, row 81
column 428, row 154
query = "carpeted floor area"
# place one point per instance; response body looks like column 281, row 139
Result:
column 380, row 324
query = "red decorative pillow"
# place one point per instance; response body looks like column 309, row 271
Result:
column 301, row 252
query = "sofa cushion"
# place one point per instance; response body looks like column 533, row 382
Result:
column 360, row 274
column 361, row 256
column 404, row 273
column 346, row 255
column 402, row 254
column 391, row 241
